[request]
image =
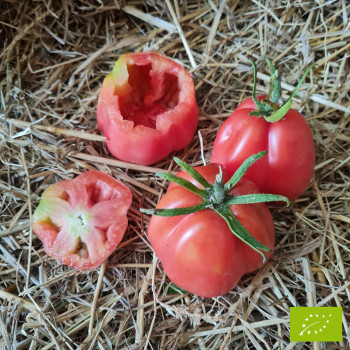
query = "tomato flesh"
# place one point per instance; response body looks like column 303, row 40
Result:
column 147, row 108
column 147, row 101
column 289, row 164
column 198, row 251
column 81, row 221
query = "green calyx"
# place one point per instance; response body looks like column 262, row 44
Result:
column 268, row 107
column 217, row 198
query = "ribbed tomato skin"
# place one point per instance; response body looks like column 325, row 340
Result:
column 198, row 251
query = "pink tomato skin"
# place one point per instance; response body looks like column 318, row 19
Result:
column 288, row 167
column 198, row 251
column 147, row 108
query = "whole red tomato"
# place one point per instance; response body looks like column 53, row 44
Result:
column 81, row 221
column 290, row 162
column 147, row 108
column 199, row 252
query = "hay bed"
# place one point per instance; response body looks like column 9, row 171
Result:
column 53, row 59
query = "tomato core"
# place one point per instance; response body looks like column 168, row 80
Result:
column 146, row 102
column 79, row 223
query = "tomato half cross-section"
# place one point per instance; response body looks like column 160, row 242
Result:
column 210, row 244
column 259, row 124
column 81, row 221
column 147, row 108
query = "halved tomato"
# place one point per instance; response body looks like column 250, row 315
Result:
column 81, row 221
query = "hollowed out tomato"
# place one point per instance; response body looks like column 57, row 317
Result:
column 147, row 108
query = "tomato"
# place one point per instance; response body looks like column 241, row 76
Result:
column 81, row 221
column 199, row 252
column 289, row 166
column 147, row 108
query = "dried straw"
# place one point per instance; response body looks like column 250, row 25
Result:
column 53, row 60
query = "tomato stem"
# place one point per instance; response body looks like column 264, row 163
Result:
column 217, row 198
column 255, row 99
column 243, row 169
column 256, row 198
column 192, row 172
column 274, row 92
column 183, row 183
column 282, row 111
column 274, row 106
column 268, row 107
column 175, row 211
column 240, row 231
column 217, row 195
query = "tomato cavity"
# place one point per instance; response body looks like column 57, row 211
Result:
column 152, row 94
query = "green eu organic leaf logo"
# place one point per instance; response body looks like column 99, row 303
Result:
column 323, row 324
